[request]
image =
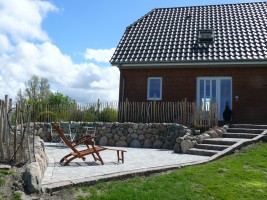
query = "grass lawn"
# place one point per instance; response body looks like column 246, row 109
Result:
column 242, row 175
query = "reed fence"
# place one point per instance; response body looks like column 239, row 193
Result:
column 16, row 138
column 184, row 112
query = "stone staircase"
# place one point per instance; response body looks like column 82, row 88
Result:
column 237, row 136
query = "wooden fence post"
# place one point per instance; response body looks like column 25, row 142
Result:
column 98, row 109
column 125, row 109
column 154, row 111
column 2, row 156
column 15, row 134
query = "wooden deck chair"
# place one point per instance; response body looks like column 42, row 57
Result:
column 91, row 148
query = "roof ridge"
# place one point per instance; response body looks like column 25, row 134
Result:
column 153, row 10
column 222, row 4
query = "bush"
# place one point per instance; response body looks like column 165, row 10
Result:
column 109, row 115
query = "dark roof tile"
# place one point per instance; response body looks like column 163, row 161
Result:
column 171, row 35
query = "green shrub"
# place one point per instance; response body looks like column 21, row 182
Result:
column 109, row 115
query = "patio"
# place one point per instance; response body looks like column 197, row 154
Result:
column 137, row 161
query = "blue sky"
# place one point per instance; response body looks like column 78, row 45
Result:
column 83, row 24
column 69, row 42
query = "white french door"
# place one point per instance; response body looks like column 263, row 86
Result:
column 210, row 89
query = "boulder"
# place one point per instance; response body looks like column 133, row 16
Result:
column 177, row 148
column 123, row 138
column 135, row 126
column 32, row 177
column 141, row 137
column 179, row 139
column 157, row 144
column 167, row 145
column 103, row 141
column 134, row 135
column 109, row 135
column 185, row 145
column 40, row 131
column 130, row 130
column 147, row 143
column 116, row 137
column 135, row 143
column 111, row 142
column 121, row 143
column 148, row 135
column 107, row 130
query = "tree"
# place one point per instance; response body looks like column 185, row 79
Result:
column 59, row 99
column 20, row 97
column 37, row 89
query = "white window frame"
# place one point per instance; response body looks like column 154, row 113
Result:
column 148, row 88
column 218, row 90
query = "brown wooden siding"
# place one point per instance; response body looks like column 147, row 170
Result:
column 248, row 83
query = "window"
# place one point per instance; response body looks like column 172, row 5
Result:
column 154, row 88
column 205, row 36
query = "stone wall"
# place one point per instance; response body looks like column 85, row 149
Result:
column 152, row 135
column 34, row 172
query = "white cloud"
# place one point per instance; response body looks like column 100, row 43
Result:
column 99, row 55
column 21, row 19
column 5, row 45
column 21, row 58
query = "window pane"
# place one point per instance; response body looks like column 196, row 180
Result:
column 213, row 97
column 208, row 88
column 202, row 92
column 207, row 102
column 154, row 88
column 225, row 95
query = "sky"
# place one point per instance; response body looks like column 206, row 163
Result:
column 70, row 42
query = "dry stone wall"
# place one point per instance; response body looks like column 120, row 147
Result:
column 151, row 135
column 139, row 135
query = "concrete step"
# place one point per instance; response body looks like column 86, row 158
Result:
column 239, row 135
column 218, row 141
column 202, row 152
column 250, row 126
column 245, row 130
column 212, row 146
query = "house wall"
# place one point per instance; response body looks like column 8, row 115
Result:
column 248, row 83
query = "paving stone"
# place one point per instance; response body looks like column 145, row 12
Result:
column 136, row 159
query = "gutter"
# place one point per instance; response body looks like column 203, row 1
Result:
column 140, row 65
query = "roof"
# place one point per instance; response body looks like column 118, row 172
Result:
column 170, row 35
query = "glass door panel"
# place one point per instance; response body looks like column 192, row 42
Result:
column 213, row 95
column 214, row 89
column 225, row 96
column 207, row 102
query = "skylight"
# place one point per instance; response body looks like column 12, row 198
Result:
column 205, row 36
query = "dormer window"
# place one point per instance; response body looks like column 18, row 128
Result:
column 205, row 36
